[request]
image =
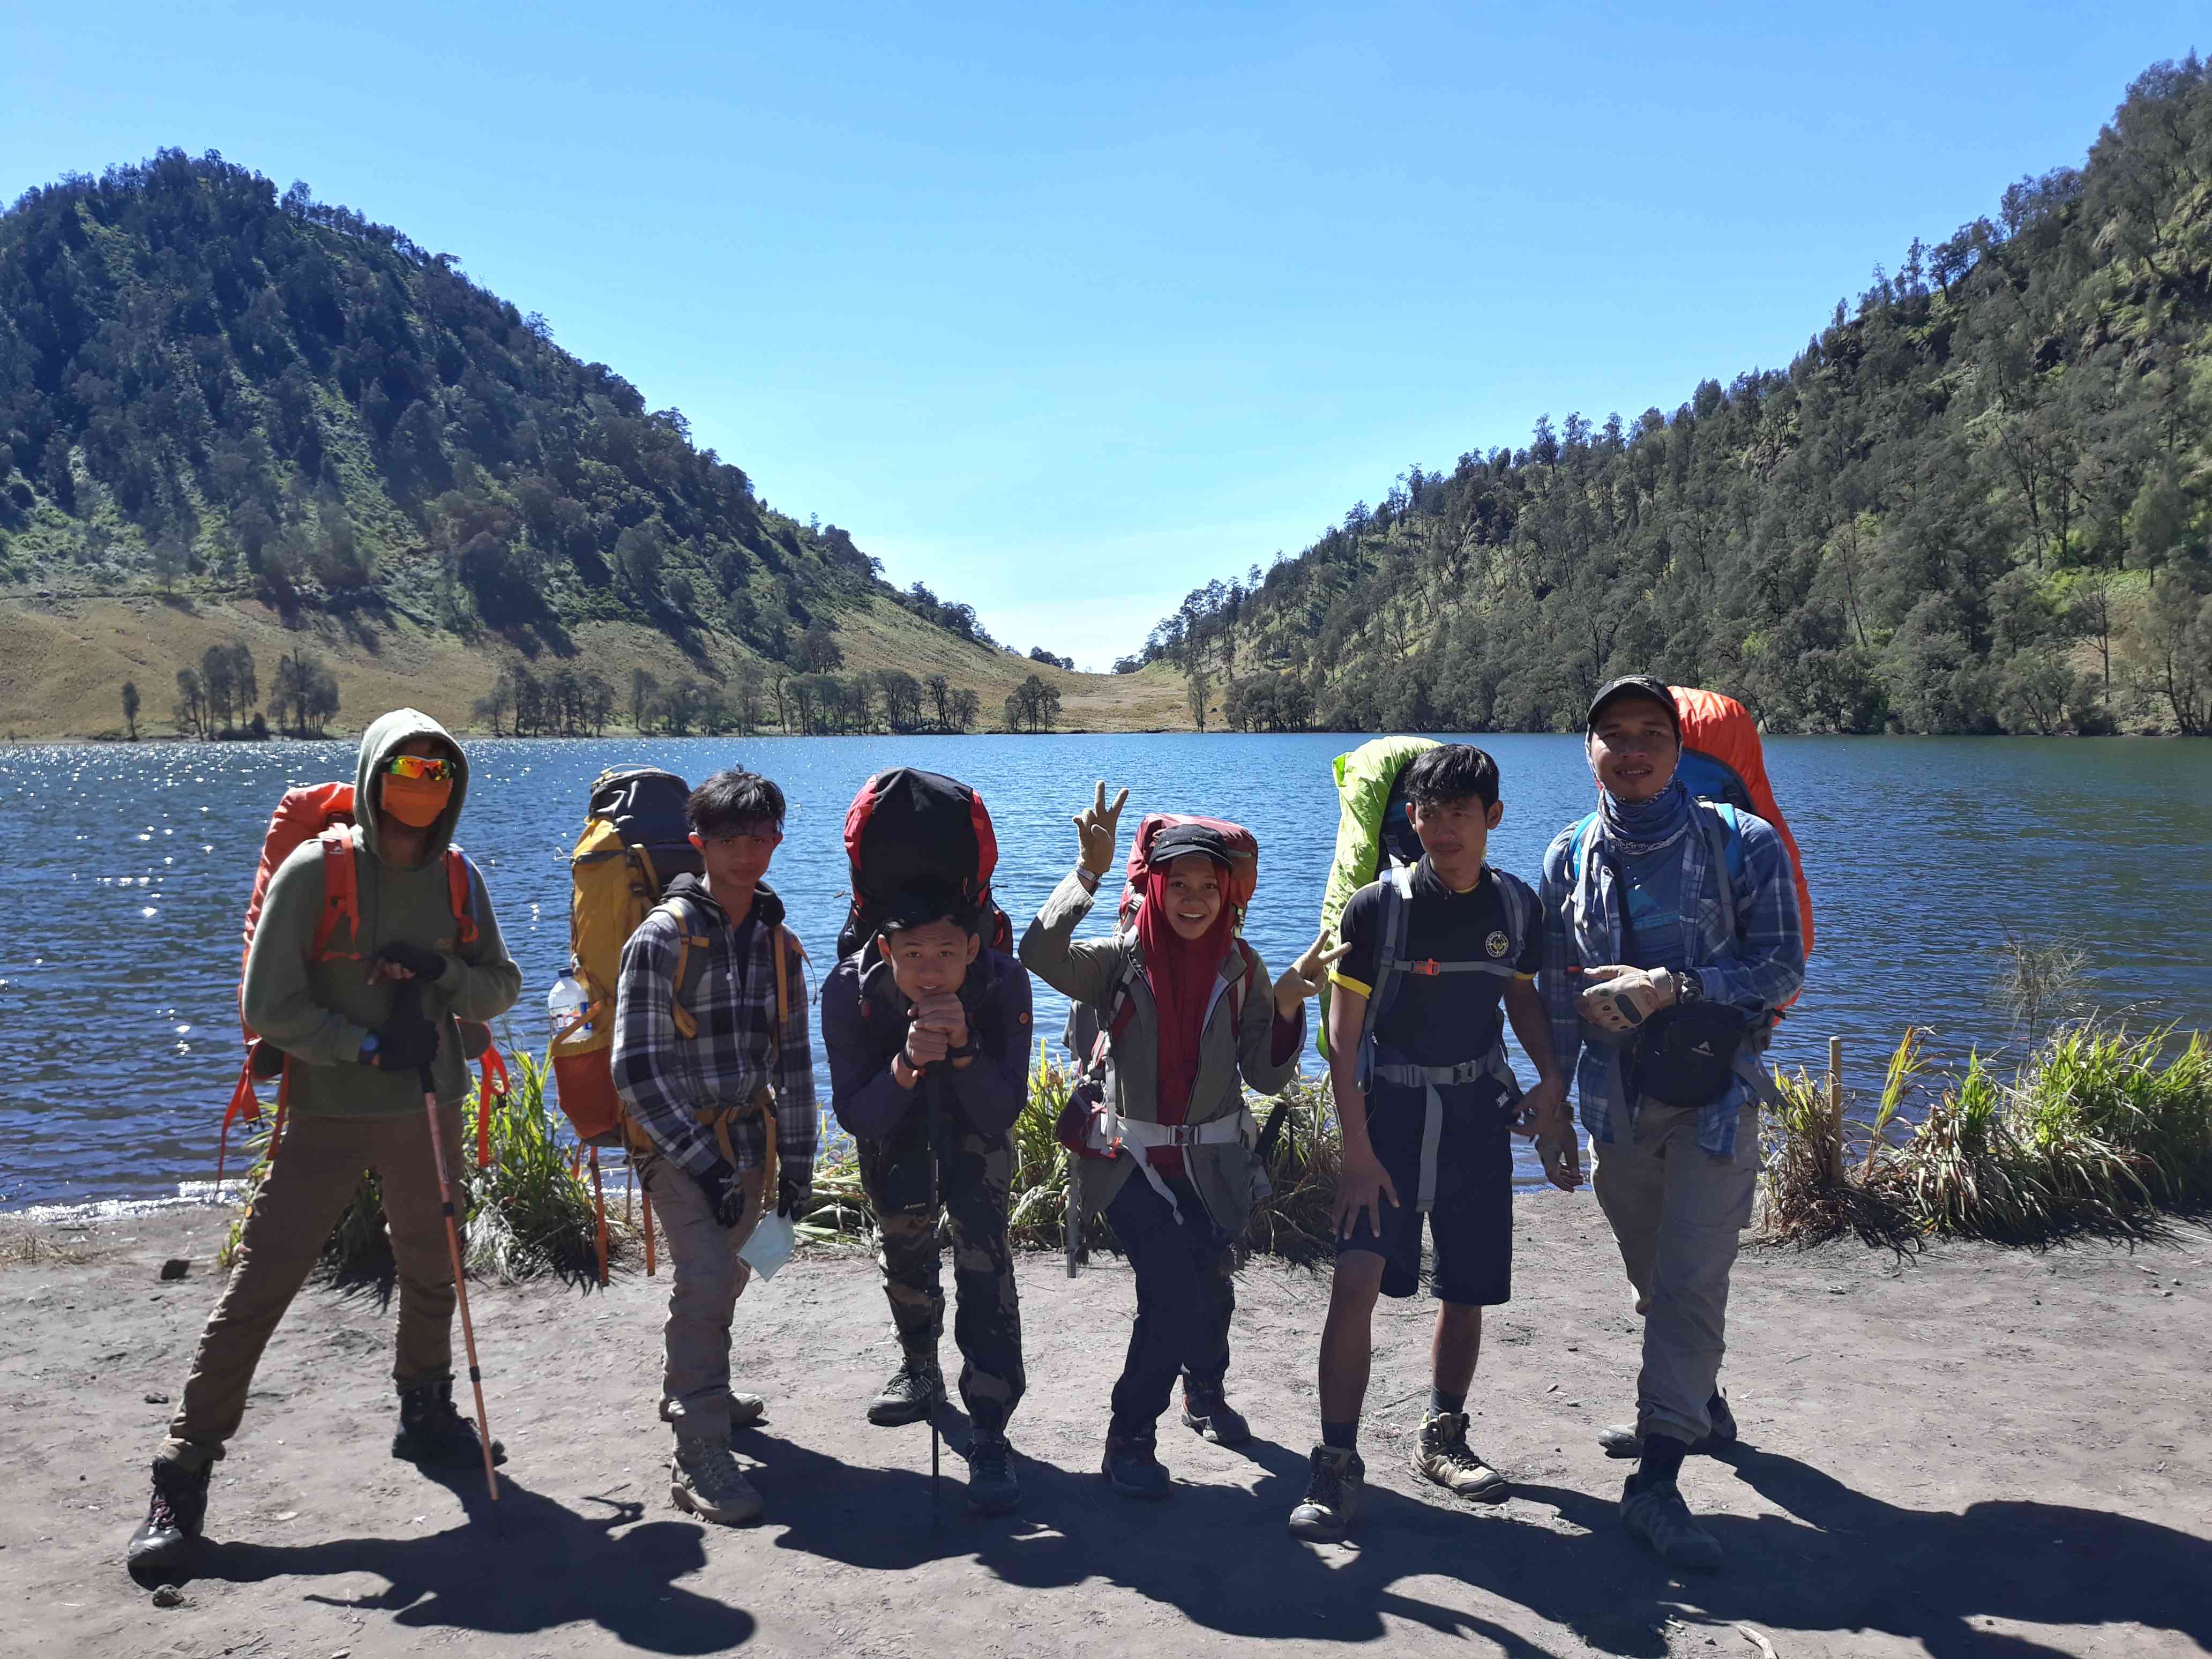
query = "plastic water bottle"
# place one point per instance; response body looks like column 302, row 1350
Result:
column 564, row 1004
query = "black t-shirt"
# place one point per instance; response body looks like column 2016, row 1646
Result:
column 1439, row 1020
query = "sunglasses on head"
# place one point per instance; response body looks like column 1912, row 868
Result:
column 421, row 766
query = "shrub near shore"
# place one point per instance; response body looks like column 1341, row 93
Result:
column 2100, row 1131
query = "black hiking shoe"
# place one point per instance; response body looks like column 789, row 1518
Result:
column 992, row 1488
column 168, row 1538
column 916, row 1388
column 1442, row 1455
column 1622, row 1439
column 1133, row 1466
column 1212, row 1418
column 1331, row 1504
column 1657, row 1518
column 432, row 1434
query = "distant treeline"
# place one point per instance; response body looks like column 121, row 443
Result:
column 217, row 696
column 1978, row 501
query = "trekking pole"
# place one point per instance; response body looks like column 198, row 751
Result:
column 460, row 1280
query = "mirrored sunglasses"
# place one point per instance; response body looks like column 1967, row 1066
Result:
column 421, row 767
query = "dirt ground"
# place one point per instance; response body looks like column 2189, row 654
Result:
column 1985, row 1453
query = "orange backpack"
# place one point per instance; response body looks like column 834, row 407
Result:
column 323, row 812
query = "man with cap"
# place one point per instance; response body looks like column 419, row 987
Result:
column 1671, row 939
column 927, row 1031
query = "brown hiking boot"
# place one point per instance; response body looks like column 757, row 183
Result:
column 1442, row 1455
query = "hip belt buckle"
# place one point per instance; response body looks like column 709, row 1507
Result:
column 1431, row 968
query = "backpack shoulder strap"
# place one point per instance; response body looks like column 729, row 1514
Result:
column 1519, row 903
column 1583, row 833
column 776, row 944
column 1724, row 840
column 692, row 950
column 461, row 894
column 341, row 896
column 1397, row 904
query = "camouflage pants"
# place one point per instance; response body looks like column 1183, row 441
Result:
column 962, row 1178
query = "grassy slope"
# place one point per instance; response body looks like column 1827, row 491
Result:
column 62, row 663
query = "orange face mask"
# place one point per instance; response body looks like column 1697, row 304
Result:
column 415, row 802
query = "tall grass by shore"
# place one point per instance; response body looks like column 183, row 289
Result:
column 530, row 1213
column 2102, row 1130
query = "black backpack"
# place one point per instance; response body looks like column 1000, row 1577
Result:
column 906, row 827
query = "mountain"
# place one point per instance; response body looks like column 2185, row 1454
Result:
column 1978, row 501
column 230, row 415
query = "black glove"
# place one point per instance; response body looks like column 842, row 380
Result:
column 428, row 966
column 794, row 1195
column 725, row 1192
column 406, row 1042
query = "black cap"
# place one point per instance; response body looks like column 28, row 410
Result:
column 1649, row 688
column 1182, row 840
column 922, row 902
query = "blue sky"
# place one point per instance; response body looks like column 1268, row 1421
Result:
column 1067, row 310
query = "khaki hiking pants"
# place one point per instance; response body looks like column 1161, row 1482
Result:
column 318, row 1169
column 1678, row 1213
column 706, row 1279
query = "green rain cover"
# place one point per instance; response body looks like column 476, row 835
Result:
column 1363, row 779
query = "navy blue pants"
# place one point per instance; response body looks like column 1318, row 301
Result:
column 1186, row 1296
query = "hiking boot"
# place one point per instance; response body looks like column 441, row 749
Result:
column 1441, row 1455
column 916, row 1388
column 992, row 1488
column 1657, row 1518
column 1131, row 1463
column 1212, row 1416
column 1332, row 1501
column 1622, row 1439
column 746, row 1409
column 705, row 1480
column 169, row 1536
column 432, row 1434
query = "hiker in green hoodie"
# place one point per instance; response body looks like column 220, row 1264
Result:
column 357, row 1025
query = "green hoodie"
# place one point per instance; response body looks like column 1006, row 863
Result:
column 318, row 1012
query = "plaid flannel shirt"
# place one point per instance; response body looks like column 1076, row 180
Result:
column 1758, row 971
column 668, row 1082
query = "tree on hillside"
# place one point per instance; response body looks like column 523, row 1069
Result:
column 941, row 698
column 1033, row 706
column 901, row 698
column 967, row 708
column 817, row 651
column 131, row 708
column 746, row 695
column 1201, row 684
column 189, row 711
column 644, row 692
column 303, row 694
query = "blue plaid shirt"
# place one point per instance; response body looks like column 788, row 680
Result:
column 1758, row 971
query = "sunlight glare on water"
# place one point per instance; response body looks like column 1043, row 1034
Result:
column 119, row 959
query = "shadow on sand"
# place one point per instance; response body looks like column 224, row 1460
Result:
column 525, row 1563
column 1836, row 1560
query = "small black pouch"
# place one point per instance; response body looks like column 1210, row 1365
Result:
column 1686, row 1056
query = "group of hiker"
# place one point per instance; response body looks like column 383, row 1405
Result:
column 1642, row 972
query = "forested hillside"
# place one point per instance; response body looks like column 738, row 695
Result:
column 1977, row 502
column 251, row 406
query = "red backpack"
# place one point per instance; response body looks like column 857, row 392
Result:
column 323, row 812
column 907, row 826
column 1244, row 867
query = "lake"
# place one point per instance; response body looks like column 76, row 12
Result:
column 124, row 873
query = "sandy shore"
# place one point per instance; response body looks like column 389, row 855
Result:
column 1985, row 1453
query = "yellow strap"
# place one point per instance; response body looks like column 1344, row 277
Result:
column 686, row 1027
column 783, row 996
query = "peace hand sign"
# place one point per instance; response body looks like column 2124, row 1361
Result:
column 1098, row 827
column 1302, row 978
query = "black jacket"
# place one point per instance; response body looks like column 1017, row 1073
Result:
column 863, row 1024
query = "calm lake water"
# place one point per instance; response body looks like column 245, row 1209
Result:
column 124, row 873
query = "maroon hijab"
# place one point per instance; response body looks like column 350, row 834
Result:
column 1182, row 973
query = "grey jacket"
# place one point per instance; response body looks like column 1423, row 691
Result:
column 1232, row 1053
